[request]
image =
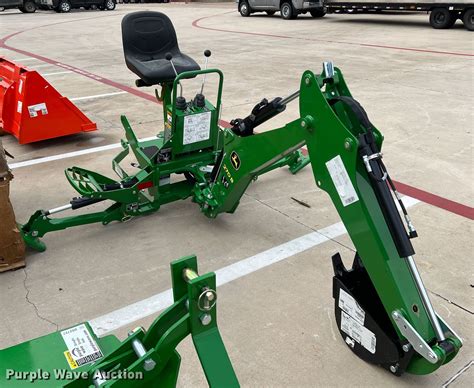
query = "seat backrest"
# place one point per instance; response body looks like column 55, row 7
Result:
column 148, row 35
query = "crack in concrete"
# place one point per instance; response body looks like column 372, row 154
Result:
column 458, row 373
column 453, row 303
column 34, row 306
column 300, row 223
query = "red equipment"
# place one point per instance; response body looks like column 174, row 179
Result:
column 31, row 109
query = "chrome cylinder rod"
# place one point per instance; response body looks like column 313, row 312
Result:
column 425, row 299
column 59, row 209
column 291, row 97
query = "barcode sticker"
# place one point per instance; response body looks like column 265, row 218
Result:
column 341, row 181
column 82, row 348
column 358, row 332
column 351, row 307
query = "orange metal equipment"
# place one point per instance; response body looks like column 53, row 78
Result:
column 31, row 109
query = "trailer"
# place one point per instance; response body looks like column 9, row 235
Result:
column 443, row 13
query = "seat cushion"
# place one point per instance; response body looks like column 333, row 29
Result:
column 156, row 71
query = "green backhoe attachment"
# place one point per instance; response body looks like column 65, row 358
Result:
column 181, row 162
column 76, row 357
column 382, row 308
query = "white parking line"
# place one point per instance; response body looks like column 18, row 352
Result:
column 34, row 67
column 24, row 59
column 96, row 96
column 146, row 307
column 69, row 154
column 57, row 73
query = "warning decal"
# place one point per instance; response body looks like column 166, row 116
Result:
column 341, row 181
column 358, row 332
column 34, row 109
column 197, row 128
column 82, row 349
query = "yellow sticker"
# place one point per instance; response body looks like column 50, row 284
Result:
column 72, row 363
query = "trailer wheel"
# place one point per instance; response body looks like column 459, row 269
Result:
column 244, row 8
column 287, row 12
column 441, row 18
column 468, row 19
column 109, row 5
column 28, row 7
column 64, row 6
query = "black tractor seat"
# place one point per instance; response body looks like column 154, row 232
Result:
column 147, row 37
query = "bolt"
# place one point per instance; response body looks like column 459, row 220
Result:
column 307, row 81
column 393, row 368
column 406, row 348
column 206, row 319
column 210, row 296
column 34, row 233
column 209, row 195
column 348, row 144
column 149, row 364
column 303, row 123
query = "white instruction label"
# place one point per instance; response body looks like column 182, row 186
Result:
column 358, row 332
column 34, row 109
column 197, row 128
column 341, row 180
column 351, row 307
column 82, row 349
column 19, row 106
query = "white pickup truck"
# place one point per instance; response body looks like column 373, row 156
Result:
column 443, row 13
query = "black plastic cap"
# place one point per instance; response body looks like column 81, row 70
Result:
column 168, row 56
column 207, row 53
column 199, row 100
column 181, row 103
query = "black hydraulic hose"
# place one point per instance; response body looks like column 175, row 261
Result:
column 379, row 177
column 384, row 196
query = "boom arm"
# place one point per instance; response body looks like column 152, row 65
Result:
column 344, row 148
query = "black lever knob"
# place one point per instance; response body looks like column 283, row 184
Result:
column 207, row 53
column 168, row 56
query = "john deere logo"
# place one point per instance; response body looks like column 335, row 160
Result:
column 235, row 160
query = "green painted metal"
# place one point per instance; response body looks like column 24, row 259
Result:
column 331, row 132
column 119, row 363
column 161, row 162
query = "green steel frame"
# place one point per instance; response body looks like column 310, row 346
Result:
column 144, row 358
column 148, row 189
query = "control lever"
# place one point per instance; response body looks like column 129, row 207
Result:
column 180, row 101
column 199, row 100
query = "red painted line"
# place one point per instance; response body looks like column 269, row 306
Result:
column 196, row 24
column 424, row 196
column 436, row 200
column 429, row 198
